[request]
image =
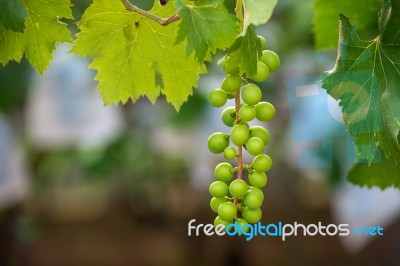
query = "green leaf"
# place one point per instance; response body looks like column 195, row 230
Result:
column 42, row 31
column 135, row 56
column 257, row 12
column 206, row 26
column 383, row 174
column 244, row 53
column 12, row 15
column 326, row 23
column 12, row 45
column 366, row 80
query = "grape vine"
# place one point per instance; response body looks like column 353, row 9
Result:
column 234, row 200
column 140, row 53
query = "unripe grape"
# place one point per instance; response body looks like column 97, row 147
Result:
column 262, row 163
column 271, row 59
column 231, row 83
column 255, row 146
column 252, row 216
column 229, row 68
column 242, row 222
column 239, row 134
column 215, row 202
column 231, row 95
column 251, row 94
column 224, row 172
column 217, row 98
column 219, row 221
column 258, row 191
column 238, row 188
column 247, row 113
column 252, row 200
column 217, row 142
column 228, row 116
column 241, row 206
column 261, row 133
column 263, row 42
column 244, row 123
column 265, row 111
column 227, row 211
column 258, row 179
column 218, row 189
column 262, row 73
column 230, row 153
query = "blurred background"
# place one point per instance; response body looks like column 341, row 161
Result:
column 85, row 185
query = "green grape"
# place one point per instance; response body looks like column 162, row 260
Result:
column 227, row 211
column 228, row 116
column 252, row 216
column 230, row 153
column 215, row 202
column 261, row 133
column 262, row 163
column 231, row 83
column 258, row 179
column 219, row 221
column 238, row 188
column 241, row 207
column 242, row 222
column 262, row 73
column 255, row 146
column 252, row 200
column 218, row 189
column 263, row 42
column 258, row 191
column 239, row 134
column 265, row 111
column 231, row 95
column 247, row 113
column 251, row 94
column 228, row 68
column 217, row 97
column 217, row 142
column 271, row 59
column 244, row 123
column 224, row 172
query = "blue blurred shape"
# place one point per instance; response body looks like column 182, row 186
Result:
column 315, row 119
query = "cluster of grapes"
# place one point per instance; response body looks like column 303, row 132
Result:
column 243, row 198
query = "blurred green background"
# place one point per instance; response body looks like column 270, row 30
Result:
column 125, row 196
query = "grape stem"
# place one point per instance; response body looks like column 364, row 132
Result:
column 162, row 21
column 239, row 15
column 240, row 148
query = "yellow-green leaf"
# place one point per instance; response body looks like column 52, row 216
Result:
column 42, row 31
column 134, row 56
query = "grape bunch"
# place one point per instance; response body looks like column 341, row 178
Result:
column 234, row 199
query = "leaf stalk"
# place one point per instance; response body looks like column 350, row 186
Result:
column 162, row 21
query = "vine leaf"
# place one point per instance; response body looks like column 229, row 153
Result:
column 206, row 25
column 257, row 12
column 13, row 15
column 362, row 12
column 366, row 80
column 244, row 53
column 12, row 45
column 383, row 174
column 42, row 30
column 135, row 56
